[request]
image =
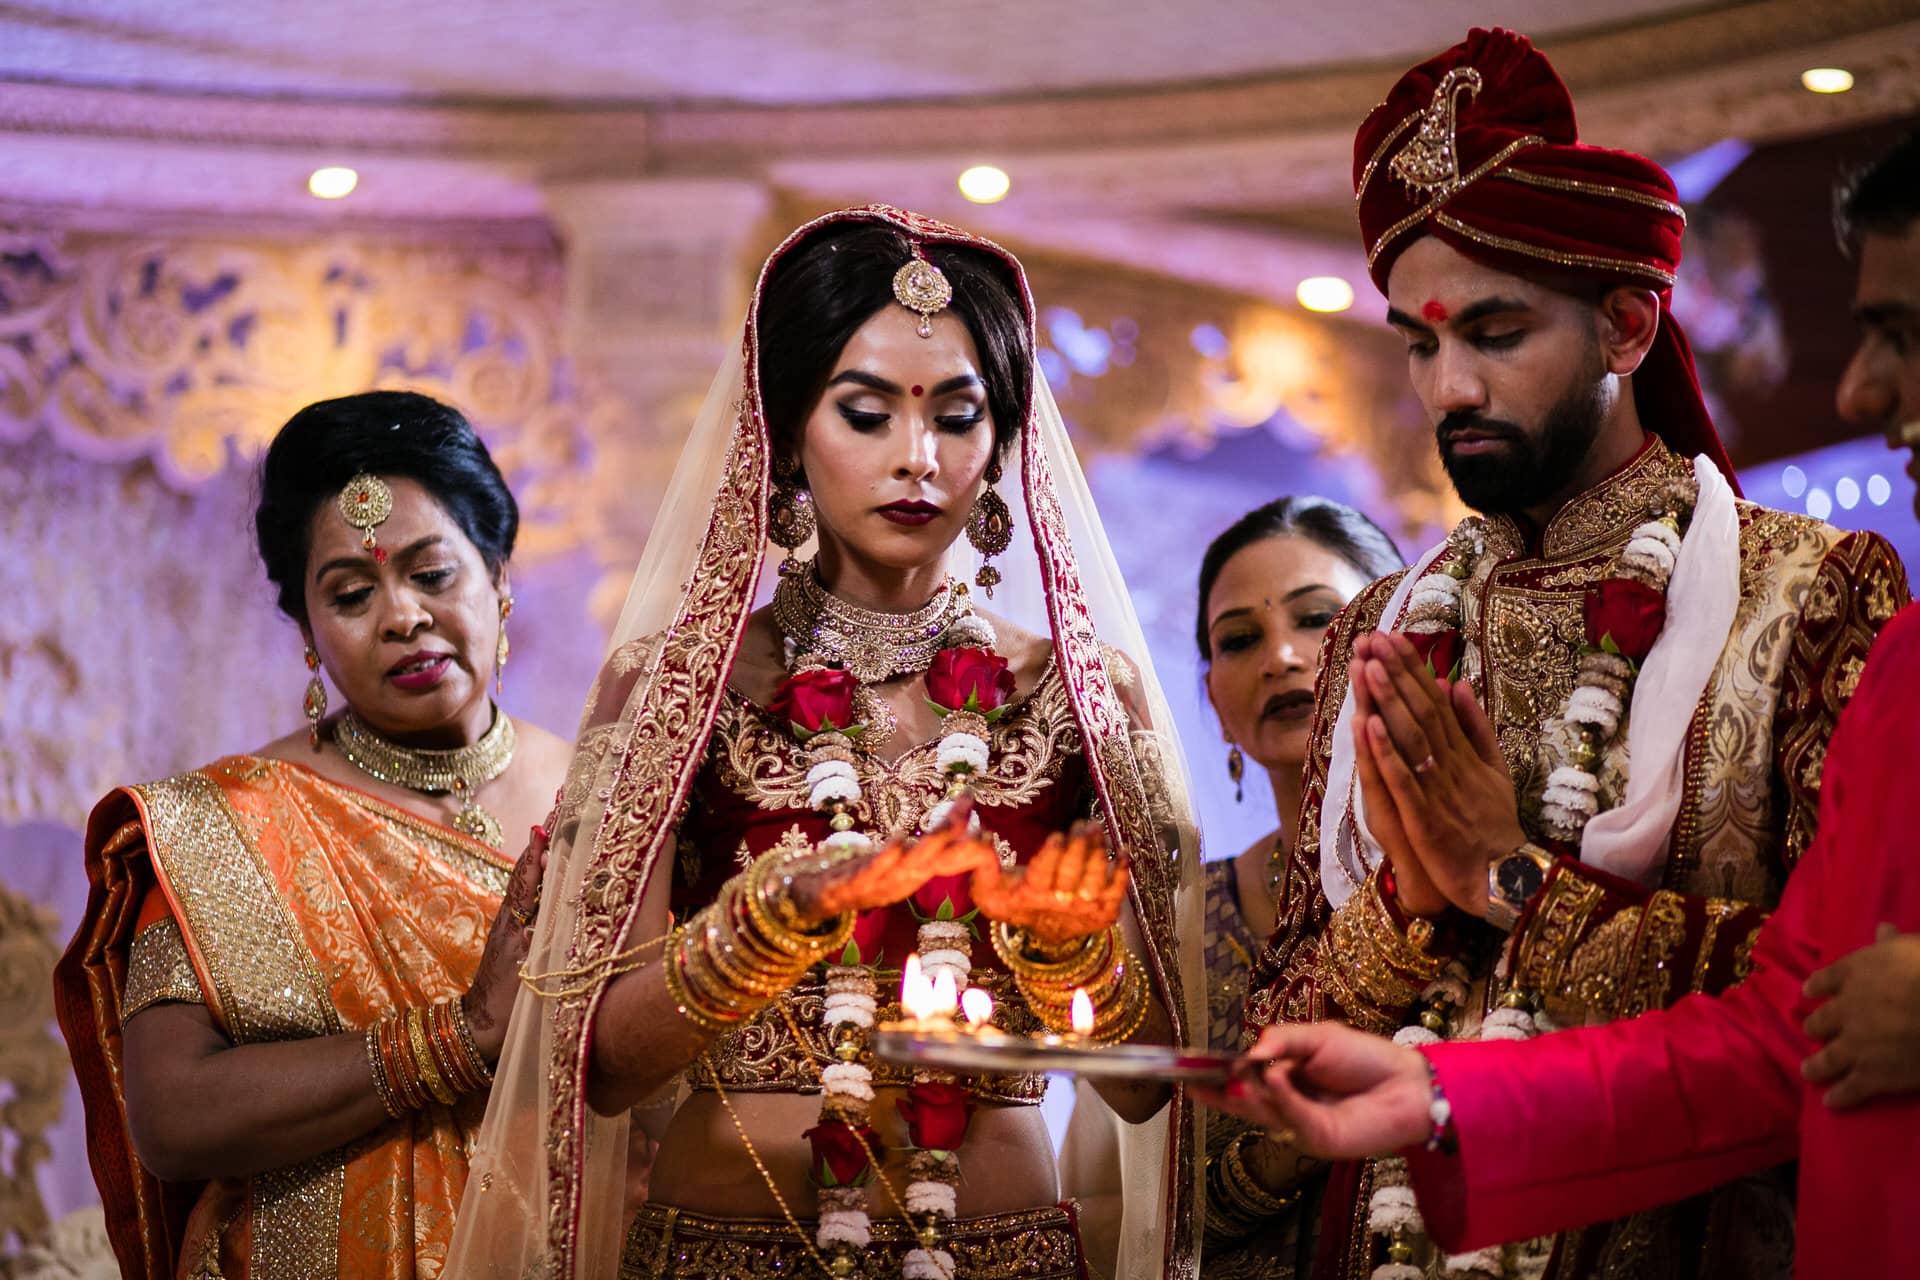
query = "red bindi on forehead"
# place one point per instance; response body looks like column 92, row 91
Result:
column 1434, row 312
column 918, row 390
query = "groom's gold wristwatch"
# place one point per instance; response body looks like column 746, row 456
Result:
column 1512, row 881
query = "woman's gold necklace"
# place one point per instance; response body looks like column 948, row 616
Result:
column 459, row 772
column 872, row 646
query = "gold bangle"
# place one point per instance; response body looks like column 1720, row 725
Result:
column 777, row 934
column 1244, row 1188
column 1090, row 955
column 393, row 1053
column 380, row 1085
column 462, row 1031
column 689, row 1006
column 423, row 1060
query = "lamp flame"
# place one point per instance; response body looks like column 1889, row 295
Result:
column 916, row 993
column 945, row 996
column 978, row 1006
column 1082, row 1012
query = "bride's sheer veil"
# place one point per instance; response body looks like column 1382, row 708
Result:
column 545, row 1196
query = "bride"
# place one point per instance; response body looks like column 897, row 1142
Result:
column 735, row 884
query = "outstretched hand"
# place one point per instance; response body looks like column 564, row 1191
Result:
column 1341, row 1093
column 1069, row 890
column 889, row 874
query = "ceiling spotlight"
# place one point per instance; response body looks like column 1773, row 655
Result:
column 984, row 184
column 1826, row 80
column 332, row 182
column 1324, row 293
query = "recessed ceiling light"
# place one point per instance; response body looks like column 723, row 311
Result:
column 1827, row 79
column 984, row 184
column 1324, row 293
column 332, row 182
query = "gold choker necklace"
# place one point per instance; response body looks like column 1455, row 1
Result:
column 459, row 772
column 873, row 647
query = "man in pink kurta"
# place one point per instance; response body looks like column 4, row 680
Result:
column 1594, row 1124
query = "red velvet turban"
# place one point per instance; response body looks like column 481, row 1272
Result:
column 1478, row 147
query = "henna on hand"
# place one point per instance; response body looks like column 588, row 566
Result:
column 1069, row 890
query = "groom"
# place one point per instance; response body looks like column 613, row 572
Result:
column 1620, row 762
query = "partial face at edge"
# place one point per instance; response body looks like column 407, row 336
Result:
column 1880, row 390
column 896, row 450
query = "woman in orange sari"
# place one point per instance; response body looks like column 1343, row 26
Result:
column 295, row 968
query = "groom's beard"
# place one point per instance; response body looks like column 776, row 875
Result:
column 1527, row 469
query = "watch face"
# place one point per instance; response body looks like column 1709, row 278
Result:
column 1519, row 878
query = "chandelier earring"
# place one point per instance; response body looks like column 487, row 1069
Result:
column 790, row 518
column 315, row 704
column 501, row 648
column 1237, row 770
column 990, row 529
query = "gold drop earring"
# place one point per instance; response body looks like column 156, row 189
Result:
column 501, row 648
column 1237, row 770
column 315, row 704
column 790, row 517
column 990, row 529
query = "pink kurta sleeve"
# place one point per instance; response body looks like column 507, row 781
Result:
column 1590, row 1125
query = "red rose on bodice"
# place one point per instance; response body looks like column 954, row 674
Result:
column 1441, row 649
column 839, row 1159
column 816, row 701
column 969, row 680
column 936, row 1115
column 1624, row 617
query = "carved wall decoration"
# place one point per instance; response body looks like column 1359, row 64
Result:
column 140, row 379
column 33, row 1066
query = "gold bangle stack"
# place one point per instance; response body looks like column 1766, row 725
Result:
column 1237, row 1205
column 1369, row 966
column 745, row 948
column 421, row 1055
column 1100, row 964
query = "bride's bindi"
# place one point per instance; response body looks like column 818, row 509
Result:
column 918, row 391
column 1434, row 313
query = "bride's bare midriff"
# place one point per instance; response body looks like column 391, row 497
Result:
column 1007, row 1161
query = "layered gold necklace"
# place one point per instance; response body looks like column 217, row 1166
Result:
column 458, row 772
column 873, row 647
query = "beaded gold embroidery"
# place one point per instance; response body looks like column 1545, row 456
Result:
column 158, row 969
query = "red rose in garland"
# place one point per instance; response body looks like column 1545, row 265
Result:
column 936, row 1115
column 1440, row 649
column 818, row 701
column 1624, row 617
column 976, row 680
column 839, row 1159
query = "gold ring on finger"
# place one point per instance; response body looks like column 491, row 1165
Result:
column 523, row 916
column 1062, row 895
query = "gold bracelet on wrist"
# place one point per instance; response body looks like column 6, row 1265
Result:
column 691, row 1007
column 380, row 1084
column 1016, row 947
column 423, row 1060
column 457, row 1016
column 1245, row 1188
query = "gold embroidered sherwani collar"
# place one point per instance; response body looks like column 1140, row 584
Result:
column 1600, row 517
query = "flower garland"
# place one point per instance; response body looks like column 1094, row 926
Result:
column 969, row 685
column 1623, row 615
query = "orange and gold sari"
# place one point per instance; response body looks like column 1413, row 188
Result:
column 299, row 907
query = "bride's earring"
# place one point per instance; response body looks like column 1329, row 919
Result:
column 790, row 519
column 990, row 530
column 316, row 701
column 1237, row 770
column 501, row 648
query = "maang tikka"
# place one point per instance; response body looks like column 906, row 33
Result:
column 990, row 529
column 365, row 503
column 922, row 287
